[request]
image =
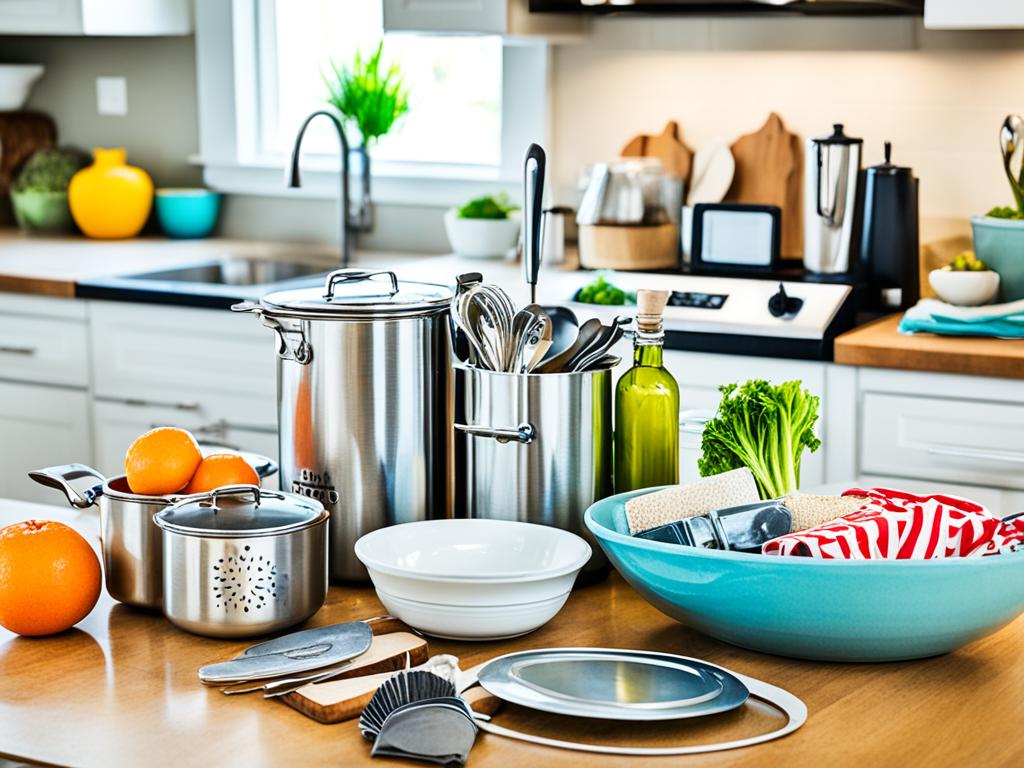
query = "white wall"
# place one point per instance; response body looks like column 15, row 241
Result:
column 939, row 97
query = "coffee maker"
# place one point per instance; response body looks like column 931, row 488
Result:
column 889, row 260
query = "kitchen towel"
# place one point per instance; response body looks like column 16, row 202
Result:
column 895, row 525
column 933, row 316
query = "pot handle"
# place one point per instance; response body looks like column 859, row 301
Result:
column 524, row 433
column 356, row 276
column 292, row 344
column 60, row 477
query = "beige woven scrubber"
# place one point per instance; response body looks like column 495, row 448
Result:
column 728, row 489
column 810, row 511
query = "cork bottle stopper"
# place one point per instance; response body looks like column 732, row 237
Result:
column 649, row 307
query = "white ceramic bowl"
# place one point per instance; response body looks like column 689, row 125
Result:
column 473, row 579
column 16, row 80
column 965, row 289
column 482, row 238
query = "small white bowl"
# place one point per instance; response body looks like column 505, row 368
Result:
column 16, row 81
column 482, row 238
column 964, row 288
column 466, row 573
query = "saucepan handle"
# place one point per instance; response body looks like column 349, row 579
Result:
column 524, row 433
column 61, row 476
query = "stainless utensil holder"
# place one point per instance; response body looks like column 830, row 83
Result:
column 535, row 448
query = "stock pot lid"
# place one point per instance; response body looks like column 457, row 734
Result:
column 360, row 293
column 240, row 511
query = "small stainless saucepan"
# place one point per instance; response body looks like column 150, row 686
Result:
column 130, row 542
column 242, row 561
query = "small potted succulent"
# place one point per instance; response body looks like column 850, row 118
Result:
column 485, row 227
column 39, row 194
column 374, row 97
column 999, row 235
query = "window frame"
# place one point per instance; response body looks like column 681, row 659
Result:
column 228, row 41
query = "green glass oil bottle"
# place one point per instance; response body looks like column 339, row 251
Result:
column 647, row 406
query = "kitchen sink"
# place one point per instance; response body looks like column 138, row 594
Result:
column 234, row 271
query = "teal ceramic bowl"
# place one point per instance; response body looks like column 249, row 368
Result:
column 187, row 213
column 1000, row 244
column 817, row 609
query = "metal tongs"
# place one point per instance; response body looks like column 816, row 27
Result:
column 742, row 529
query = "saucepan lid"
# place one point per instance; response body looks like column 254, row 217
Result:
column 241, row 511
column 360, row 294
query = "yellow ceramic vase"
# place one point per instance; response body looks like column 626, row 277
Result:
column 110, row 199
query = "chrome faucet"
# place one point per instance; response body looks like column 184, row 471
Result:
column 346, row 225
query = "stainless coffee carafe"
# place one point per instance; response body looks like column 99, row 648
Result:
column 832, row 202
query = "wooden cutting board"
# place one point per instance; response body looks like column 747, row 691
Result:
column 21, row 135
column 770, row 171
column 668, row 147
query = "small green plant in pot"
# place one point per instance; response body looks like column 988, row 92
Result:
column 39, row 194
column 485, row 227
column 999, row 235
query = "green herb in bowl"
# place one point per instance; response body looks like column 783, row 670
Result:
column 602, row 292
column 487, row 207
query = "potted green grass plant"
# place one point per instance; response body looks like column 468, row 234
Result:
column 999, row 235
column 39, row 194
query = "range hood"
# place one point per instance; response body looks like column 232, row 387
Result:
column 734, row 7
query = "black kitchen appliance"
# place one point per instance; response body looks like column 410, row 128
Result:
column 735, row 7
column 889, row 261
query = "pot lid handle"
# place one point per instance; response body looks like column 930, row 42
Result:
column 356, row 276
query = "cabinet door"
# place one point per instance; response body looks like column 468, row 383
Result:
column 977, row 14
column 445, row 16
column 117, row 424
column 40, row 426
column 40, row 17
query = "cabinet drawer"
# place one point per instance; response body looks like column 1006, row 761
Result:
column 943, row 439
column 45, row 350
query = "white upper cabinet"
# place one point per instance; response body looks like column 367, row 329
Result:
column 139, row 18
column 495, row 17
column 976, row 14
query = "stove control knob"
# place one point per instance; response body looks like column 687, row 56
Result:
column 782, row 304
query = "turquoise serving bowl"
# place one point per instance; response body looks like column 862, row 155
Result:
column 828, row 610
column 187, row 213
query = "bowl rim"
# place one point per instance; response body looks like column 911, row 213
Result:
column 603, row 532
column 501, row 577
column 563, row 596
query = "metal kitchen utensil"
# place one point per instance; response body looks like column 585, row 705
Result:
column 550, row 435
column 364, row 402
column 240, row 561
column 130, row 543
column 1011, row 144
column 564, row 329
column 588, row 333
column 292, row 654
column 743, row 528
column 613, row 684
column 533, row 194
column 601, row 346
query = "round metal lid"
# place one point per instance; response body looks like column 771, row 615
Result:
column 240, row 511
column 357, row 293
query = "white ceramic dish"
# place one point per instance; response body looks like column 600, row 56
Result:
column 446, row 577
column 482, row 238
column 16, row 81
column 477, row 622
column 964, row 289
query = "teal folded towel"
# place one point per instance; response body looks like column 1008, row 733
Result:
column 931, row 316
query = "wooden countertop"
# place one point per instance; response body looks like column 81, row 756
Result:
column 880, row 345
column 121, row 690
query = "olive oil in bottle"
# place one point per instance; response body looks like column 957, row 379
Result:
column 647, row 406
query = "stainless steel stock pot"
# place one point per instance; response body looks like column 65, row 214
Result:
column 364, row 402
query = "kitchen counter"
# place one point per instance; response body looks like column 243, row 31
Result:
column 881, row 345
column 121, row 690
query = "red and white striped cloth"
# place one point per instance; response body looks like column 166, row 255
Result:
column 895, row 525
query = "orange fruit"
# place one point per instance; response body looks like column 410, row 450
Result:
column 161, row 461
column 49, row 577
column 220, row 469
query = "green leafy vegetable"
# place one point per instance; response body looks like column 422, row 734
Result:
column 487, row 207
column 765, row 428
column 49, row 170
column 367, row 94
column 602, row 292
column 1005, row 212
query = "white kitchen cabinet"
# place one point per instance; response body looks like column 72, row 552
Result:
column 496, row 17
column 118, row 423
column 40, row 426
column 96, row 17
column 975, row 14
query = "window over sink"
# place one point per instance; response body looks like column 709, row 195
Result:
column 476, row 101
